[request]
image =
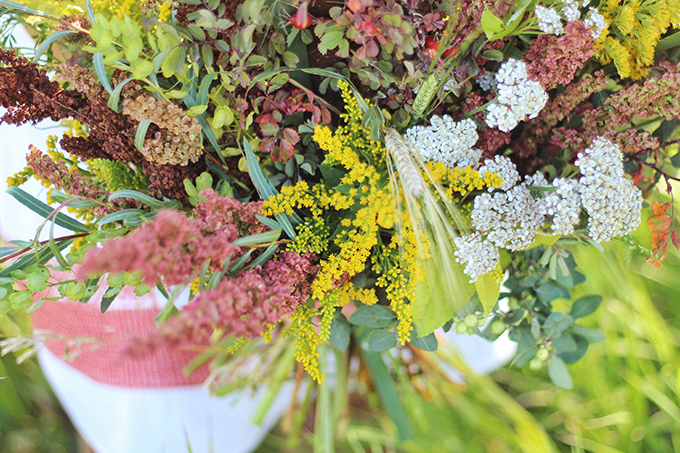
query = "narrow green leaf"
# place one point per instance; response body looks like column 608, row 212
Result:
column 115, row 96
column 260, row 238
column 45, row 210
column 25, row 9
column 90, row 12
column 273, row 224
column 48, row 42
column 384, row 384
column 264, row 256
column 144, row 198
column 141, row 133
column 590, row 335
column 204, row 89
column 100, row 69
column 108, row 298
column 239, row 263
column 44, row 254
column 121, row 215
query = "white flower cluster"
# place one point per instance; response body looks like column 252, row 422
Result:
column 518, row 97
column 549, row 21
column 563, row 205
column 571, row 10
column 509, row 219
column 595, row 22
column 486, row 81
column 611, row 201
column 479, row 256
column 446, row 141
column 504, row 168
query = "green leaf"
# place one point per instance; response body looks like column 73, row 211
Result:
column 109, row 297
column 340, row 330
column 426, row 343
column 260, row 238
column 488, row 290
column 197, row 110
column 44, row 255
column 495, row 55
column 264, row 256
column 590, row 335
column 45, row 210
column 578, row 353
column 559, row 374
column 381, row 340
column 204, row 89
column 115, row 96
column 143, row 70
column 384, row 384
column 585, row 306
column 144, row 198
column 373, row 316
column 120, row 216
column 491, row 24
column 265, row 188
column 273, row 224
column 47, row 43
column 25, row 9
column 90, row 12
column 564, row 343
column 141, row 133
column 100, row 70
column 549, row 292
column 556, row 323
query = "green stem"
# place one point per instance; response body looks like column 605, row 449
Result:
column 323, row 423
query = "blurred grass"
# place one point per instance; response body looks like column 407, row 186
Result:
column 31, row 419
column 626, row 395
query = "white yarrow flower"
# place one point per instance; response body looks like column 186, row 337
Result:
column 518, row 97
column 479, row 256
column 549, row 21
column 571, row 11
column 504, row 168
column 612, row 202
column 446, row 141
column 595, row 22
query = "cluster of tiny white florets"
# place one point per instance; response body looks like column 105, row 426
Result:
column 595, row 22
column 571, row 11
column 612, row 202
column 563, row 205
column 509, row 219
column 446, row 141
column 518, row 97
column 549, row 21
column 487, row 81
column 504, row 168
column 479, row 256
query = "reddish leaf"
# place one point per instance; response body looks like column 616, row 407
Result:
column 654, row 262
column 660, row 209
column 267, row 144
column 658, row 223
column 675, row 237
column 658, row 239
column 291, row 136
column 283, row 152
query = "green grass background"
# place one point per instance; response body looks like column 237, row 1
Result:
column 626, row 395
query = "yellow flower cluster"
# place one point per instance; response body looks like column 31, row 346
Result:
column 307, row 342
column 634, row 29
column 462, row 181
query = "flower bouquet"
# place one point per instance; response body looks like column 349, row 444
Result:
column 349, row 177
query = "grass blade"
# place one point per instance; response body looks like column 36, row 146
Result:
column 45, row 210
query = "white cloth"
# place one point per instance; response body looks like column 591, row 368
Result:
column 123, row 420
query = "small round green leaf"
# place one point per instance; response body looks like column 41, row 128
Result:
column 559, row 374
column 373, row 316
column 381, row 340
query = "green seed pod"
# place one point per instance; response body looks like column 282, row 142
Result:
column 426, row 93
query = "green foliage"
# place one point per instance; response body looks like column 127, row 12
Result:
column 116, row 175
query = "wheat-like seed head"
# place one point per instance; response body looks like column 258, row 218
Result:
column 426, row 93
column 406, row 168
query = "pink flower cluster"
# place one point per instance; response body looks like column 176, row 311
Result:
column 245, row 305
column 174, row 247
column 59, row 176
column 553, row 60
